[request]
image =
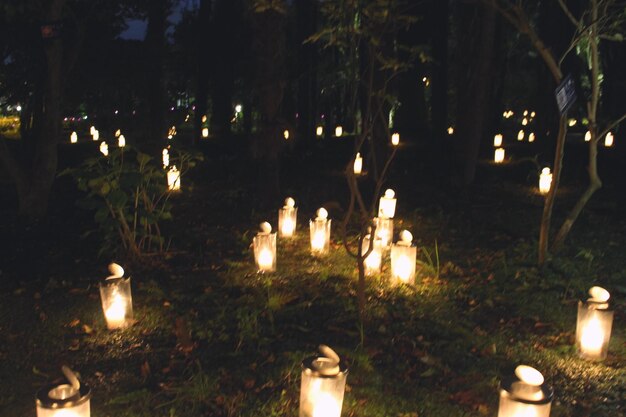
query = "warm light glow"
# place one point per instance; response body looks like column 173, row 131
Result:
column 533, row 114
column 238, row 108
column 116, row 313
column 524, row 121
column 287, row 216
column 358, row 164
column 319, row 131
column 286, row 134
column 450, row 130
column 525, row 113
column 173, row 179
column 608, row 140
column 592, row 337
column 92, row 129
column 205, row 132
column 520, row 135
column 264, row 244
column 498, row 156
column 95, row 135
column 339, row 131
column 319, row 240
column 104, row 148
column 387, row 204
column 497, row 140
column 545, row 181
column 320, row 232
column 203, row 118
column 325, row 405
column 588, row 136
column 373, row 260
column 121, row 141
column 507, row 114
column 287, row 227
column 531, row 137
column 118, row 132
column 529, row 375
column 266, row 259
column 73, row 137
column 395, row 139
column 572, row 122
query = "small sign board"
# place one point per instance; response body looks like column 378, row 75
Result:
column 565, row 94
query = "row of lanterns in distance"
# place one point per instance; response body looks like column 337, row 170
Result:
column 323, row 376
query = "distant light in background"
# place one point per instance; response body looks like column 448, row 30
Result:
column 450, row 130
column 238, row 108
column 18, row 108
column 531, row 137
column 588, row 136
column 572, row 122
column 520, row 135
column 608, row 140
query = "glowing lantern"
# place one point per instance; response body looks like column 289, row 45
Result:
column 395, row 139
column 171, row 132
column 520, row 135
column 533, row 114
column 524, row 121
column 73, row 137
column 205, row 132
column 374, row 261
column 70, row 399
column 450, row 130
column 92, row 129
column 118, row 132
column 525, row 113
column 339, row 131
column 238, row 108
column 387, row 204
column 95, row 135
column 203, row 119
column 173, row 179
column 498, row 156
column 117, row 303
column 545, row 181
column 497, row 140
column 286, row 134
column 608, row 140
column 588, row 136
column 593, row 327
column 320, row 232
column 104, row 148
column 358, row 164
column 287, row 218
column 166, row 158
column 403, row 257
column 524, row 394
column 323, row 384
column 531, row 137
column 319, row 131
column 264, row 244
column 121, row 141
column 384, row 230
column 572, row 122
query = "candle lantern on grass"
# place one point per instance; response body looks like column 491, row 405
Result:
column 117, row 302
column 498, row 156
column 384, row 231
column 395, row 139
column 287, row 217
column 121, row 141
column 70, row 399
column 339, row 131
column 593, row 327
column 525, row 394
column 92, row 129
column 497, row 140
column 403, row 257
column 286, row 134
column 374, row 261
column 358, row 164
column 520, row 135
column 323, row 384
column 104, row 148
column 264, row 244
column 608, row 140
column 205, row 132
column 320, row 232
column 545, row 181
column 173, row 179
column 73, row 137
column 319, row 131
column 118, row 133
column 166, row 158
column 95, row 135
column 588, row 136
column 387, row 204
column 531, row 137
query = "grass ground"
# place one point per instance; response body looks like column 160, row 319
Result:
column 215, row 338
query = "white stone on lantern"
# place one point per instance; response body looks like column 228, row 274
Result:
column 525, row 394
column 264, row 245
column 121, row 141
column 498, row 156
column 588, row 136
column 118, row 132
column 117, row 302
column 287, row 218
column 319, row 131
column 173, row 179
column 395, row 139
column 286, row 134
column 608, row 140
column 384, row 231
column 323, row 384
column 545, row 181
column 593, row 326
column 497, row 140
column 205, row 132
column 73, row 137
column 520, row 135
column 104, row 148
column 403, row 258
column 70, row 399
column 358, row 164
column 339, row 131
column 320, row 232
column 374, row 261
column 166, row 158
column 387, row 204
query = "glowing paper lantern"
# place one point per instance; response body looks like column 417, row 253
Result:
column 73, row 137
column 286, row 134
column 205, row 132
column 498, row 156
column 520, row 135
column 121, row 141
column 593, row 327
column 531, row 137
column 545, row 181
column 403, row 258
column 395, row 139
column 166, row 158
column 358, row 164
column 264, row 244
column 497, row 140
column 287, row 217
column 173, row 179
column 117, row 302
column 524, row 394
column 339, row 131
column 323, row 384
column 64, row 400
column 387, row 204
column 588, row 136
column 319, row 131
column 608, row 140
column 104, row 148
column 320, row 233
column 384, row 230
column 374, row 261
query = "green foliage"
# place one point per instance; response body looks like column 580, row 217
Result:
column 127, row 191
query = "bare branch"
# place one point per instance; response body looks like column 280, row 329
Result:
column 569, row 14
column 612, row 125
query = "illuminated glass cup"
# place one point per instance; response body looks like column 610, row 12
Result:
column 384, row 231
column 403, row 258
column 593, row 326
column 322, row 388
column 525, row 394
column 117, row 302
column 264, row 244
column 287, row 218
column 320, row 233
column 374, row 261
column 63, row 401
